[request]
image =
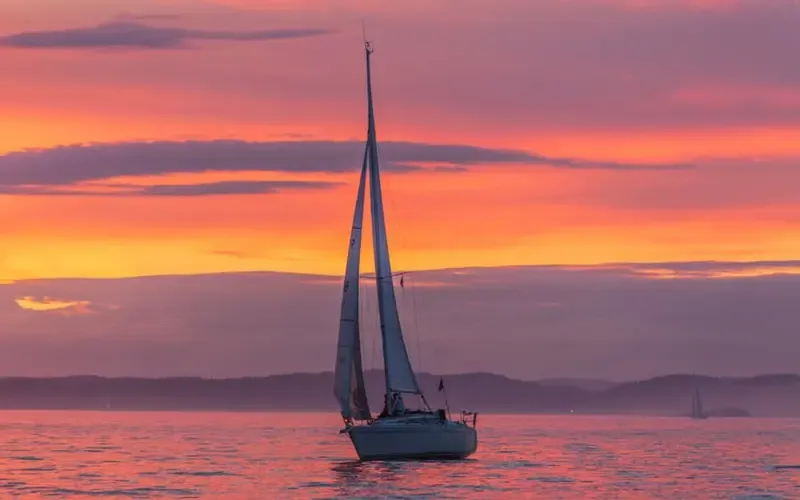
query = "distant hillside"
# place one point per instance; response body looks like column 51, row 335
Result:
column 766, row 395
column 587, row 384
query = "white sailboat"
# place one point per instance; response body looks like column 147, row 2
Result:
column 697, row 407
column 397, row 433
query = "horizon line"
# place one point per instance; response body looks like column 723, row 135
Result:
column 460, row 374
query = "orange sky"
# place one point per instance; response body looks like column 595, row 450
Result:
column 312, row 88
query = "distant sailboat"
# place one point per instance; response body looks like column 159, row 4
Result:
column 397, row 433
column 697, row 407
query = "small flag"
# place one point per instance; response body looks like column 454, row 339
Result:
column 401, row 281
column 441, row 384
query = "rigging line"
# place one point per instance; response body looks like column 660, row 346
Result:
column 403, row 246
column 416, row 322
column 433, row 345
column 376, row 332
column 362, row 332
column 364, row 317
column 389, row 195
column 401, row 308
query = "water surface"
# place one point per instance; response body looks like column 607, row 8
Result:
column 301, row 455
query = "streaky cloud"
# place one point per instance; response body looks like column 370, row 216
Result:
column 132, row 33
column 176, row 190
column 126, row 16
column 232, row 187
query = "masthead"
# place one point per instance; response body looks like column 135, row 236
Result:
column 367, row 44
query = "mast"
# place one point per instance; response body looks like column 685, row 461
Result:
column 399, row 375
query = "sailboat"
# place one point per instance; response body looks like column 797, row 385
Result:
column 397, row 433
column 697, row 407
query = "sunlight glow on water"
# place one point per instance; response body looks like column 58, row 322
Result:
column 301, row 455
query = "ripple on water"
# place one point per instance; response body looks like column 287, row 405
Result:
column 27, row 458
column 312, row 484
column 581, row 448
column 201, row 473
column 38, row 469
column 758, row 496
column 633, row 474
column 11, row 485
column 474, row 487
column 131, row 492
column 552, row 479
column 516, row 464
column 786, row 467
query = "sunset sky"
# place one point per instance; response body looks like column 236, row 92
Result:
column 196, row 137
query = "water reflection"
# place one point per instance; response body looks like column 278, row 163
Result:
column 349, row 477
column 353, row 476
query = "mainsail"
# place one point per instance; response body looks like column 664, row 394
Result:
column 399, row 374
column 349, row 377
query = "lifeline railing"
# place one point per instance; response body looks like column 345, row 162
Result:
column 465, row 414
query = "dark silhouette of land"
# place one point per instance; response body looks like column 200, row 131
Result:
column 761, row 396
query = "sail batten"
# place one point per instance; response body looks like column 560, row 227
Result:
column 399, row 374
column 349, row 385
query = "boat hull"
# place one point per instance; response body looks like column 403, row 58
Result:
column 413, row 439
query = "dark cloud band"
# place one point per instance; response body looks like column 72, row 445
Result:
column 133, row 34
column 49, row 171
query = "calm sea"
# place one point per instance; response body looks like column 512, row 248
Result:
column 301, row 455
